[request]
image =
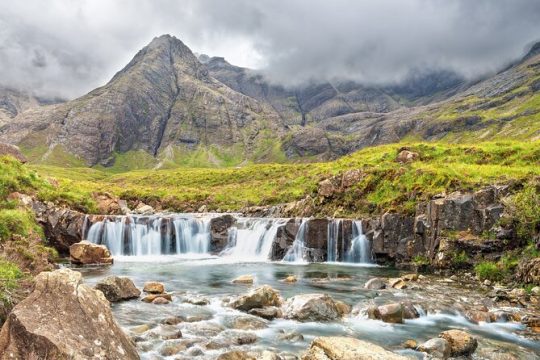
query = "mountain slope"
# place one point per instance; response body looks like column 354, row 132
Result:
column 163, row 98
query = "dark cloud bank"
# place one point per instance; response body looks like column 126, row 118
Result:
column 66, row 48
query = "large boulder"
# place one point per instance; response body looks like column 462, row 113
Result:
column 313, row 307
column 219, row 232
column 257, row 298
column 438, row 348
column 529, row 271
column 117, row 288
column 345, row 348
column 461, row 342
column 390, row 313
column 63, row 319
column 85, row 253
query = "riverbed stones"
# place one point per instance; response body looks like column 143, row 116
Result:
column 63, row 319
column 292, row 336
column 461, row 342
column 243, row 279
column 151, row 297
column 167, row 332
column 391, row 313
column 375, row 284
column 397, row 283
column 247, row 323
column 290, row 279
column 160, row 300
column 267, row 312
column 257, row 298
column 87, row 253
column 438, row 348
column 231, row 337
column 345, row 348
column 236, row 355
column 153, row 287
column 312, row 307
column 116, row 288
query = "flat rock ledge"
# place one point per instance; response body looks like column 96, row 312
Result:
column 345, row 348
column 64, row 319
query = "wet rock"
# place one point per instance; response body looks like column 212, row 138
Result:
column 410, row 277
column 197, row 300
column 194, row 351
column 284, row 239
column 292, row 336
column 312, row 307
column 406, row 156
column 343, row 308
column 235, row 355
column 173, row 320
column 410, row 344
column 160, row 300
column 461, row 342
column 375, row 284
column 409, row 310
column 229, row 338
column 397, row 283
column 86, row 253
column 247, row 323
column 170, row 348
column 477, row 316
column 345, row 348
column 437, row 348
column 269, row 355
column 117, row 288
column 268, row 312
column 140, row 329
column 219, row 232
column 257, row 298
column 391, row 313
column 205, row 329
column 150, row 298
column 35, row 330
column 290, row 279
column 243, row 279
column 153, row 287
column 167, row 332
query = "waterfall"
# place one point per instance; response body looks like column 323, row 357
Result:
column 360, row 251
column 296, row 252
column 192, row 236
column 334, row 227
column 251, row 239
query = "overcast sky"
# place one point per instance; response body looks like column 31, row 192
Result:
column 68, row 47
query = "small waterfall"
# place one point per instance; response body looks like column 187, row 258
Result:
column 296, row 252
column 333, row 235
column 360, row 251
column 192, row 236
column 251, row 239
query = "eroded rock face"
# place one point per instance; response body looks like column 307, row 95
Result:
column 116, row 288
column 529, row 271
column 219, row 232
column 345, row 348
column 313, row 307
column 64, row 319
column 85, row 253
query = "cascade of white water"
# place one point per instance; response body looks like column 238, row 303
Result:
column 192, row 235
column 360, row 251
column 334, row 227
column 252, row 239
column 113, row 234
column 296, row 251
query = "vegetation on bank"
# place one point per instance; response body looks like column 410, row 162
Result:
column 384, row 185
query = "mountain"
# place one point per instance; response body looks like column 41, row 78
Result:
column 168, row 107
column 14, row 101
column 163, row 103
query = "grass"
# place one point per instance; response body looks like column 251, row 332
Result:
column 10, row 275
column 385, row 184
column 488, row 270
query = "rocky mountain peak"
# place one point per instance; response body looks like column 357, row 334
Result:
column 533, row 51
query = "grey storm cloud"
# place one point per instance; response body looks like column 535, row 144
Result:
column 66, row 48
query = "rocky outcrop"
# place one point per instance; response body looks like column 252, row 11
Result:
column 219, row 232
column 117, row 288
column 284, row 239
column 13, row 151
column 313, row 307
column 528, row 271
column 86, row 253
column 63, row 319
column 345, row 348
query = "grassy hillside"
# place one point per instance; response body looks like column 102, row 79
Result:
column 385, row 183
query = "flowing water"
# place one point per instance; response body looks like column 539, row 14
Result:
column 176, row 253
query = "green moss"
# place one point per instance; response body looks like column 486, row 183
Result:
column 16, row 221
column 488, row 270
column 460, row 259
column 10, row 275
column 524, row 207
column 421, row 260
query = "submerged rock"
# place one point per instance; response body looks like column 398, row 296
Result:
column 63, row 319
column 461, row 342
column 247, row 323
column 243, row 279
column 86, row 253
column 437, row 348
column 345, row 348
column 313, row 307
column 290, row 279
column 257, row 298
column 150, row 298
column 235, row 355
column 117, row 288
column 268, row 312
column 375, row 284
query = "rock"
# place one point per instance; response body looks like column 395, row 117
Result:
column 107, row 204
column 292, row 336
column 345, row 348
column 197, row 300
column 375, row 284
column 160, row 301
column 477, row 316
column 397, row 283
column 86, row 253
column 410, row 277
column 406, row 156
column 219, row 232
column 167, row 332
column 391, row 313
column 140, row 329
column 535, row 291
column 235, row 355
column 150, row 298
column 243, row 279
column 63, row 319
column 257, row 298
column 326, row 188
column 117, row 288
column 247, row 323
column 461, row 342
column 290, row 279
column 487, row 282
column 13, row 151
column 173, row 320
column 143, row 209
column 312, row 307
column 410, row 344
column 170, row 348
column 517, row 293
column 229, row 338
column 409, row 311
column 343, row 308
column 438, row 348
column 268, row 312
column 153, row 287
